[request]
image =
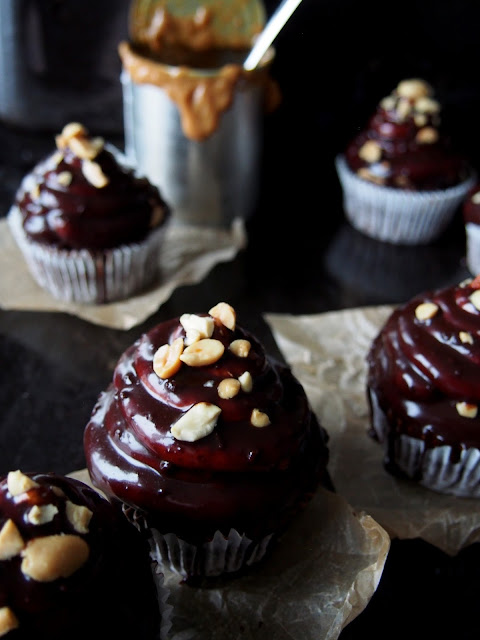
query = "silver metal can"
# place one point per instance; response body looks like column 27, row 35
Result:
column 206, row 182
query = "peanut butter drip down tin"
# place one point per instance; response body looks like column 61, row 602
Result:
column 193, row 116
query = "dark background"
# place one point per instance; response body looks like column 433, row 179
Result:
column 334, row 61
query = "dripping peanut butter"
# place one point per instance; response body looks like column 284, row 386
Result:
column 192, row 59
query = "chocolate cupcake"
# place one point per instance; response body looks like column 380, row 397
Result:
column 210, row 445
column 89, row 228
column 471, row 219
column 402, row 178
column 423, row 389
column 68, row 561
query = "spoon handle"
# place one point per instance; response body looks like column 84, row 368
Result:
column 270, row 32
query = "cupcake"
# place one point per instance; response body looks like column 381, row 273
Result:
column 70, row 563
column 471, row 218
column 402, row 178
column 208, row 443
column 89, row 228
column 424, row 392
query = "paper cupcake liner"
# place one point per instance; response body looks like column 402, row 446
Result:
column 219, row 556
column 432, row 468
column 86, row 276
column 397, row 215
column 472, row 232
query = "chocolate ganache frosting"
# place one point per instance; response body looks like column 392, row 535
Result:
column 403, row 145
column 82, row 197
column 424, row 367
column 67, row 558
column 202, row 431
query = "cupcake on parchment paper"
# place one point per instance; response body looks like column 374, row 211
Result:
column 471, row 219
column 424, row 392
column 210, row 445
column 71, row 566
column 89, row 228
column 402, row 179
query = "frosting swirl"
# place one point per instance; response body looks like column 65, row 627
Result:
column 423, row 368
column 82, row 197
column 246, row 467
column 403, row 145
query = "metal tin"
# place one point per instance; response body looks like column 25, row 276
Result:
column 208, row 182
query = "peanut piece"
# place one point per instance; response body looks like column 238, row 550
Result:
column 426, row 310
column 166, row 361
column 203, row 352
column 246, row 381
column 8, row 620
column 466, row 409
column 427, row 135
column 18, row 482
column 196, row 327
column 413, row 88
column 64, row 178
column 370, row 151
column 197, row 422
column 228, row 388
column 240, row 348
column 11, row 541
column 475, row 299
column 465, row 337
column 225, row 313
column 259, row 419
column 40, row 514
column 50, row 557
column 94, row 174
column 78, row 516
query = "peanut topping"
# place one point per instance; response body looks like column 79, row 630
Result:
column 426, row 310
column 465, row 337
column 246, row 381
column 404, row 108
column 370, row 151
column 427, row 105
column 475, row 299
column 70, row 131
column 78, row 516
column 427, row 135
column 50, row 557
column 225, row 313
column 203, row 352
column 240, row 348
column 166, row 361
column 94, row 174
column 413, row 88
column 228, row 388
column 11, row 541
column 84, row 148
column 197, row 422
column 64, row 178
column 40, row 514
column 18, row 482
column 259, row 419
column 8, row 620
column 476, row 198
column 467, row 410
column 196, row 327
column 35, row 191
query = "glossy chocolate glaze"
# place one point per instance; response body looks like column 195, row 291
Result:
column 420, row 369
column 76, row 214
column 240, row 476
column 471, row 206
column 407, row 161
column 117, row 569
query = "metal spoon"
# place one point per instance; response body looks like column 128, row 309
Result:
column 278, row 19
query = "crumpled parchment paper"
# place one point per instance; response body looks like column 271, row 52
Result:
column 320, row 575
column 327, row 353
column 188, row 254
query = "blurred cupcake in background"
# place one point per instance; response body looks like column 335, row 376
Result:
column 89, row 228
column 471, row 218
column 402, row 178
